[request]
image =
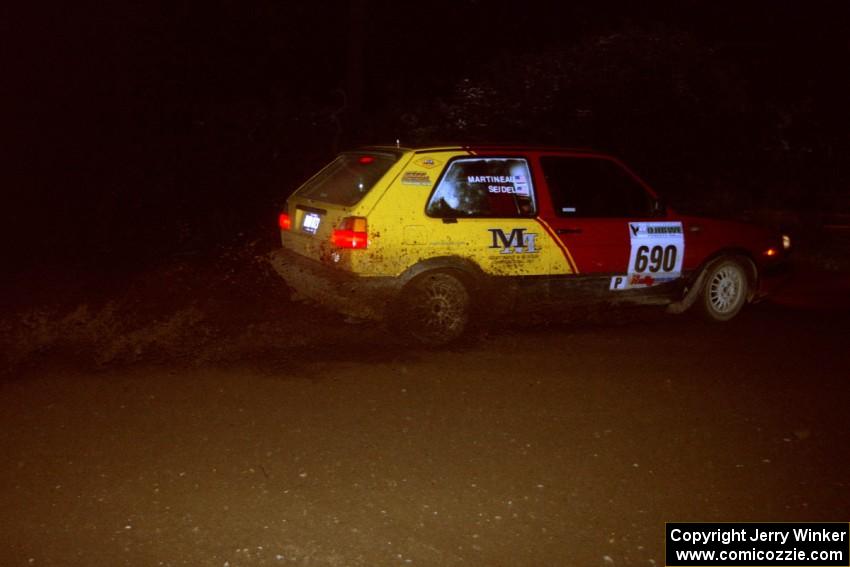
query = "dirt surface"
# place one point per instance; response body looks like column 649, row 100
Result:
column 327, row 443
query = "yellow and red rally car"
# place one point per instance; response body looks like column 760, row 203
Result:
column 430, row 237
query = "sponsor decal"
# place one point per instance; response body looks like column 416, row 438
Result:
column 637, row 280
column 657, row 250
column 655, row 228
column 428, row 163
column 416, row 178
column 517, row 242
column 631, row 281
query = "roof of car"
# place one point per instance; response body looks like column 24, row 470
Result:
column 481, row 147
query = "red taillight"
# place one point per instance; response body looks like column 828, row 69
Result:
column 351, row 233
column 366, row 160
column 284, row 222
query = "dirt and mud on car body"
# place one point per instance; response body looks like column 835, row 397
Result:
column 430, row 238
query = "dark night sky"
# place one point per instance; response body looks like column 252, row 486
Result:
column 173, row 112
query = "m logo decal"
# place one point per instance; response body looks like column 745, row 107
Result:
column 518, row 242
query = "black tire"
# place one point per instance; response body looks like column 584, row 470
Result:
column 434, row 309
column 724, row 290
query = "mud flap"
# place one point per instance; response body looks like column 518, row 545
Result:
column 690, row 298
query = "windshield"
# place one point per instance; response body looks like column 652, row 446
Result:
column 348, row 178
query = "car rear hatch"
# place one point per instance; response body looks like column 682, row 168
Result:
column 337, row 198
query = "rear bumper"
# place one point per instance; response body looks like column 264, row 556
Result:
column 344, row 292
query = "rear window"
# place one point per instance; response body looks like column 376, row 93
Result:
column 484, row 187
column 348, row 178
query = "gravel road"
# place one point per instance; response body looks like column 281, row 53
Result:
column 563, row 445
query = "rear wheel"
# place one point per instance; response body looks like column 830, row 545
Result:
column 435, row 308
column 724, row 290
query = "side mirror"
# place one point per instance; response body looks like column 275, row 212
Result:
column 659, row 207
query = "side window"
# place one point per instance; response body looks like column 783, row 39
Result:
column 593, row 187
column 484, row 187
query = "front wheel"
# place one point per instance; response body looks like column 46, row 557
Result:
column 724, row 290
column 434, row 309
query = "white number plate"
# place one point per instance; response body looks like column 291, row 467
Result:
column 311, row 223
column 656, row 257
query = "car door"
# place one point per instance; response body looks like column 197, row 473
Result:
column 482, row 209
column 605, row 218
